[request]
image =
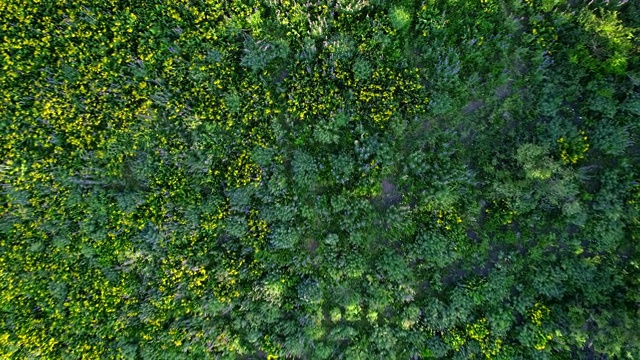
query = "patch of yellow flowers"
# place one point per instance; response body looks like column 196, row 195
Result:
column 573, row 149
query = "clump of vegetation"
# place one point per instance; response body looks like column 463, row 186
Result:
column 337, row 179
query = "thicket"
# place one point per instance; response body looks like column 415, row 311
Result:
column 332, row 179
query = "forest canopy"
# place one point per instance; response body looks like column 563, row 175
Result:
column 337, row 179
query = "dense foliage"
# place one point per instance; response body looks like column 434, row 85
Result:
column 333, row 179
